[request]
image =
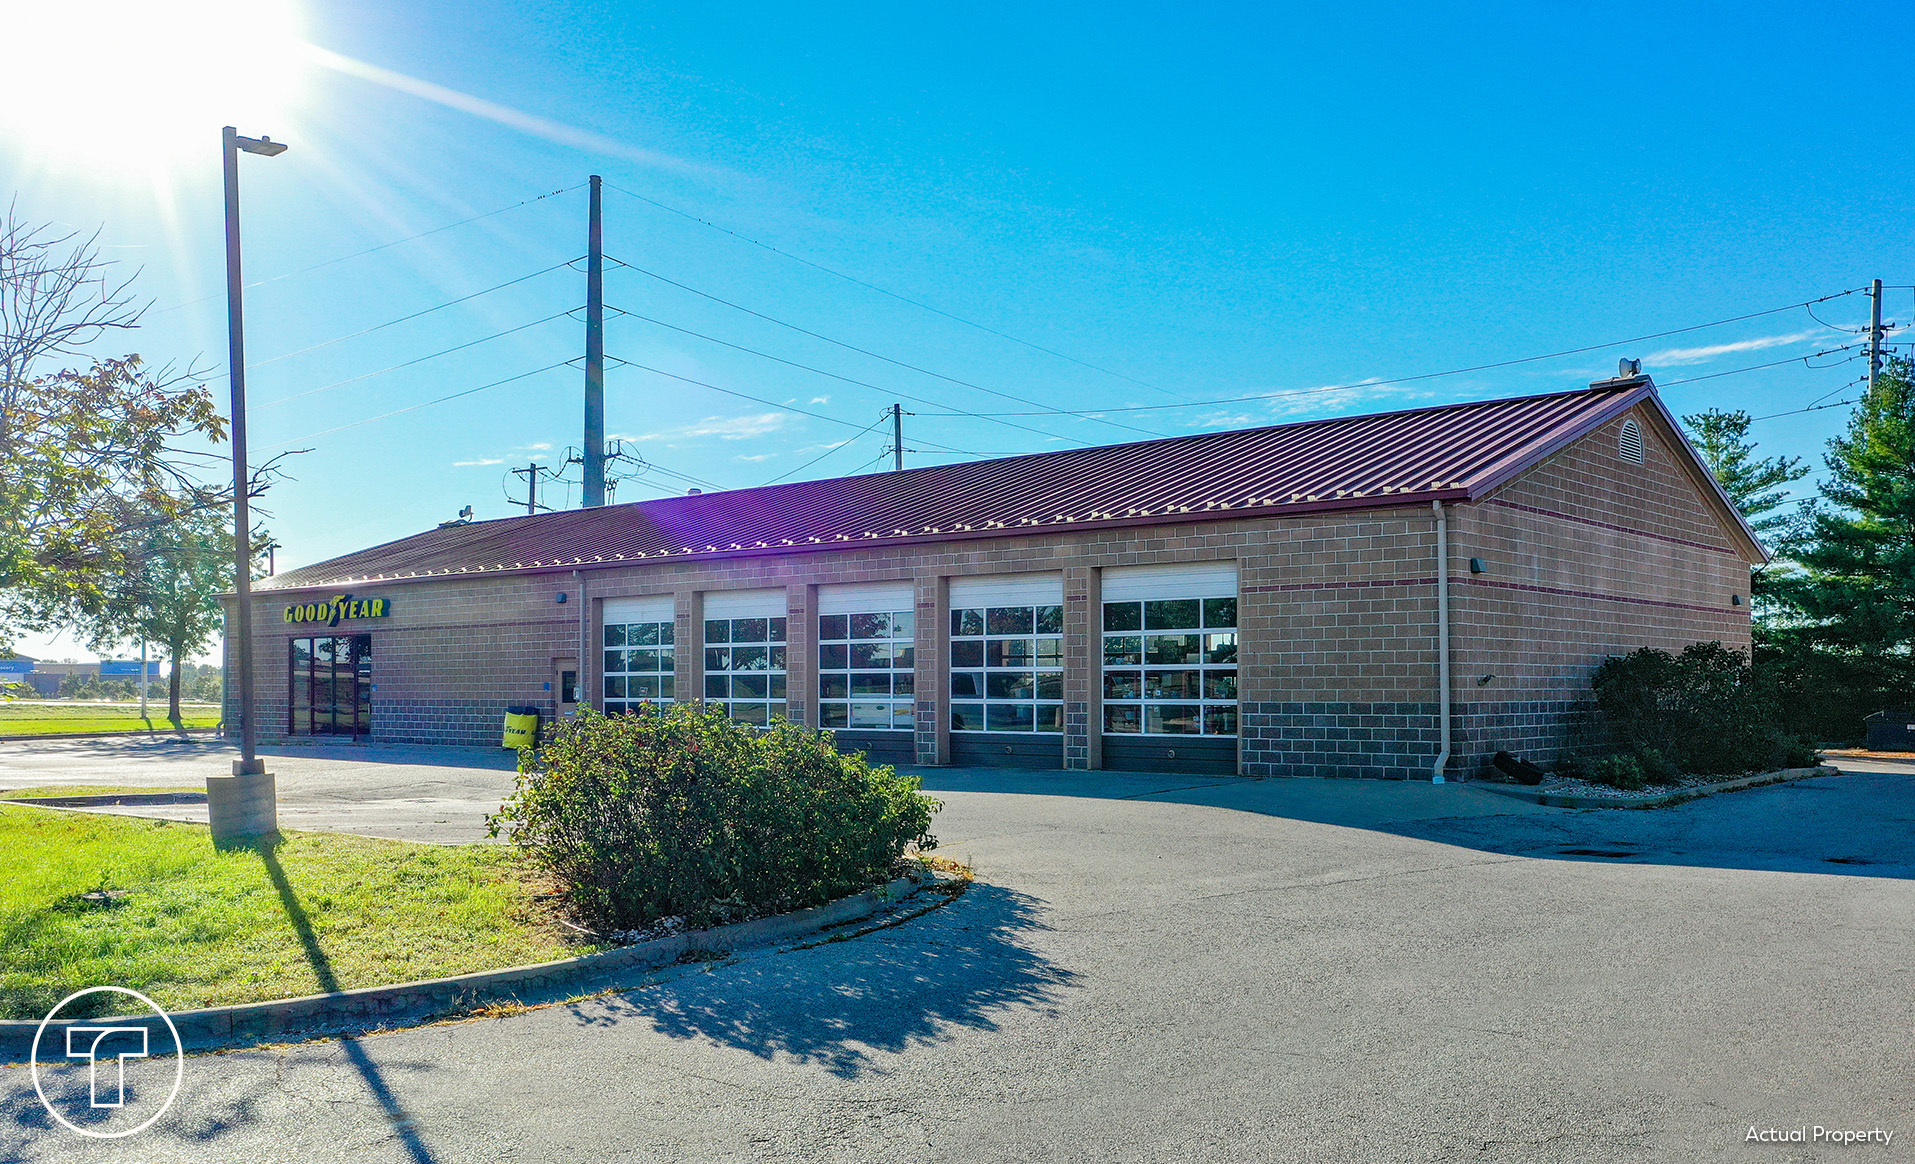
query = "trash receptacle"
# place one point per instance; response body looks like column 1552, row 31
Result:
column 521, row 728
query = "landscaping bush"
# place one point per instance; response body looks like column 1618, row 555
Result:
column 680, row 812
column 1619, row 771
column 1698, row 711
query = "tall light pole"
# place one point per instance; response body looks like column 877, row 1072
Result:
column 248, row 801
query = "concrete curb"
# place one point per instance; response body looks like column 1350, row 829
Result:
column 1656, row 799
column 374, row 1007
column 106, row 800
column 156, row 733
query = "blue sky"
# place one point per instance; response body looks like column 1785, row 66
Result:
column 1195, row 202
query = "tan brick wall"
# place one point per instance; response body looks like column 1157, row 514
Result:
column 1585, row 556
column 1337, row 617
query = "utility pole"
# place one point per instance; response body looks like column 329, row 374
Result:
column 142, row 676
column 594, row 355
column 897, row 438
column 1874, row 333
column 531, row 475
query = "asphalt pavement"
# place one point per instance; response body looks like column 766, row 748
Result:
column 1169, row 969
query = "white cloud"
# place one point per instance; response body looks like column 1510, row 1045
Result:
column 1704, row 354
column 541, row 447
column 756, row 456
column 729, row 428
column 480, row 461
column 821, row 399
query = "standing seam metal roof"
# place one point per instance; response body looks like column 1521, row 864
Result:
column 1448, row 452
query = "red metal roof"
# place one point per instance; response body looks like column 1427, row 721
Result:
column 1454, row 452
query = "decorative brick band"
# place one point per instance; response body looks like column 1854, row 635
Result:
column 1641, row 533
column 1592, row 594
column 1350, row 584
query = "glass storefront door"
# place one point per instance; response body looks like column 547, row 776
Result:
column 331, row 686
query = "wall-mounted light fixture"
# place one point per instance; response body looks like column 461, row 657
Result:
column 1484, row 680
column 1735, row 600
column 561, row 598
column 1476, row 566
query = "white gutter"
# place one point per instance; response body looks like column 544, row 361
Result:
column 1442, row 638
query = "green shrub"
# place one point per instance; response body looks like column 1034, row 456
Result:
column 1619, row 771
column 683, row 813
column 1572, row 766
column 1800, row 752
column 1656, row 767
column 1698, row 711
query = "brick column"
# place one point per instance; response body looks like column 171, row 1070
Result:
column 1083, row 669
column 688, row 658
column 801, row 652
column 933, row 719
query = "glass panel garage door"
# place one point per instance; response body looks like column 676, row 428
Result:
column 1170, row 650
column 1007, row 654
column 866, row 665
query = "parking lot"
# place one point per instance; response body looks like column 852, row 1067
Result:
column 1156, row 969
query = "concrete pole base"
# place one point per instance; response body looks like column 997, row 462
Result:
column 242, row 806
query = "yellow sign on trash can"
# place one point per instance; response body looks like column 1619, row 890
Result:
column 521, row 728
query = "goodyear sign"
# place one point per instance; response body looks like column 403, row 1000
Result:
column 342, row 608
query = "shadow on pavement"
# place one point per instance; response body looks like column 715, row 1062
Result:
column 1855, row 824
column 961, row 966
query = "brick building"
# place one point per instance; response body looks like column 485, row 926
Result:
column 1265, row 602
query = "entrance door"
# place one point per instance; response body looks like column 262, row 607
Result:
column 565, row 686
column 331, row 686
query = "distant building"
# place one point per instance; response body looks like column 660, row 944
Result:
column 1263, row 602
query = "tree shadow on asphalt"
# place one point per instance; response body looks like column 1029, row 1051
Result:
column 839, row 1005
column 1852, row 825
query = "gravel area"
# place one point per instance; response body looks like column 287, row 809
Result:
column 1564, row 786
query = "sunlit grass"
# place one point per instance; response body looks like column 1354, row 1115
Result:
column 36, row 719
column 204, row 927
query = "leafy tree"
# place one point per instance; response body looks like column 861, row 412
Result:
column 169, row 592
column 88, row 456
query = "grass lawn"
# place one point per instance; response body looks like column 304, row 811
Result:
column 199, row 927
column 36, row 719
column 91, row 790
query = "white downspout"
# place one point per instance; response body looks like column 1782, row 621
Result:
column 1442, row 639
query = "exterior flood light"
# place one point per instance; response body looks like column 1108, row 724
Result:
column 1476, row 566
column 260, row 145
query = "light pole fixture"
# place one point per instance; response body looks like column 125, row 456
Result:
column 242, row 804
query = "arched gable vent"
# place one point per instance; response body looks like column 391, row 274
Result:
column 1629, row 442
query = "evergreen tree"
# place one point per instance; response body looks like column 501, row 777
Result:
column 1756, row 485
column 1856, row 591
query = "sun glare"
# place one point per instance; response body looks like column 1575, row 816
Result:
column 106, row 82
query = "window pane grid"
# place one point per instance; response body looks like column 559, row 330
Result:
column 639, row 661
column 867, row 670
column 1170, row 667
column 745, row 667
column 1007, row 669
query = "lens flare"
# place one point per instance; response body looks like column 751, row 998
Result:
column 113, row 81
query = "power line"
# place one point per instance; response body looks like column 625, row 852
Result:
column 894, row 295
column 413, row 316
column 836, row 448
column 847, row 379
column 382, row 246
column 418, row 360
column 868, row 352
column 1772, row 364
column 417, row 407
column 1378, row 383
